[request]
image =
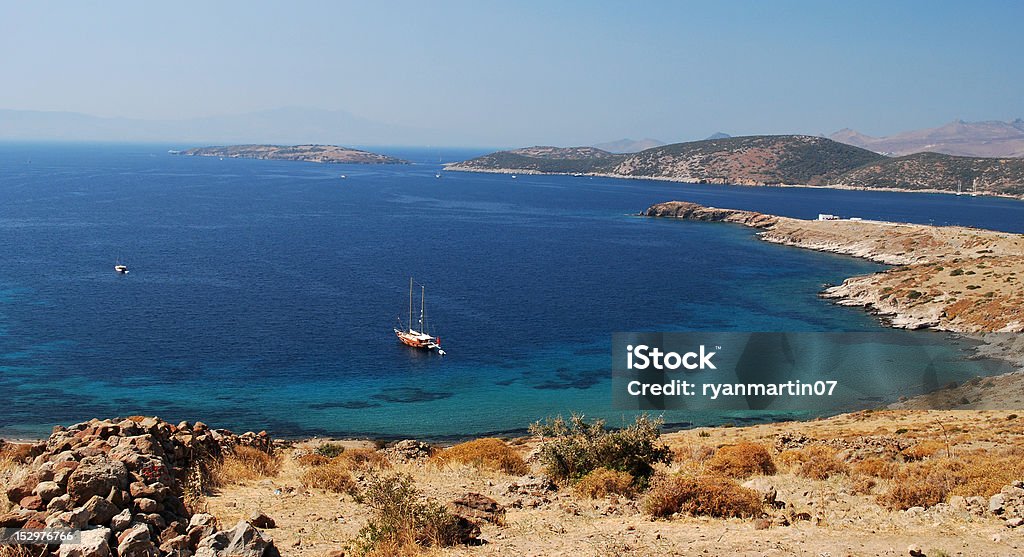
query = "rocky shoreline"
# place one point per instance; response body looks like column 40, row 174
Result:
column 952, row 278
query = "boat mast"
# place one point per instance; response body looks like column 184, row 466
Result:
column 410, row 304
column 423, row 307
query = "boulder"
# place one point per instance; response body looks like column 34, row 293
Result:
column 22, row 487
column 100, row 510
column 47, row 490
column 32, row 503
column 121, row 521
column 246, row 541
column 135, row 542
column 260, row 520
column 95, row 542
column 96, row 476
column 475, row 506
column 764, row 487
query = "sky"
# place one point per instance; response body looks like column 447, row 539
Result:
column 526, row 72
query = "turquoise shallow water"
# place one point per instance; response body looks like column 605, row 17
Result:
column 262, row 293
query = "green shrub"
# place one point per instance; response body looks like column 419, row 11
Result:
column 330, row 450
column 572, row 449
column 400, row 519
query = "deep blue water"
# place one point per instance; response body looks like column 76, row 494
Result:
column 262, row 294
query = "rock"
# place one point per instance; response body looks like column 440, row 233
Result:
column 32, row 503
column 16, row 518
column 145, row 505
column 763, row 487
column 47, row 490
column 467, row 531
column 246, row 541
column 408, row 449
column 77, row 519
column 915, row 550
column 995, row 503
column 135, row 542
column 475, row 506
column 1014, row 522
column 202, row 519
column 121, row 521
column 96, row 476
column 95, row 543
column 261, row 520
column 762, row 524
column 22, row 488
column 100, row 510
column 177, row 545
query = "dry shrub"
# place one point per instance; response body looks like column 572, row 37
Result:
column 312, row 459
column 922, row 484
column 401, row 521
column 15, row 453
column 604, row 482
column 709, row 495
column 364, row 459
column 876, row 468
column 924, row 449
column 742, row 461
column 816, row 462
column 242, row 464
column 12, row 550
column 334, row 476
column 488, row 453
column 863, row 485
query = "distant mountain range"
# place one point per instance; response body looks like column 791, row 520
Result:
column 629, row 145
column 768, row 160
column 969, row 139
column 282, row 125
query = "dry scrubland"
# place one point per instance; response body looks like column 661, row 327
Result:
column 869, row 483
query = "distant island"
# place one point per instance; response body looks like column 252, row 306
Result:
column 795, row 160
column 306, row 153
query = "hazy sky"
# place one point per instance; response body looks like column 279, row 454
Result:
column 517, row 73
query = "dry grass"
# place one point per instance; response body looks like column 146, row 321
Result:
column 742, row 461
column 364, row 459
column 816, row 462
column 244, row 464
column 487, row 453
column 21, row 550
column 312, row 459
column 709, row 495
column 335, row 476
column 875, row 467
column 604, row 482
column 925, row 449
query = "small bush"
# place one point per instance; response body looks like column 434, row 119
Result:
column 816, row 462
column 330, row 450
column 604, row 482
column 572, row 449
column 487, row 453
column 742, row 461
column 364, row 459
column 312, row 459
column 400, row 521
column 713, row 496
column 335, row 476
column 876, row 468
column 242, row 464
column 924, row 449
column 919, row 485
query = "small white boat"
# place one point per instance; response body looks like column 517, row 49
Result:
column 121, row 269
column 343, row 176
column 514, row 176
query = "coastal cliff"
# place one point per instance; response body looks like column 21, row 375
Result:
column 788, row 160
column 305, row 153
column 948, row 278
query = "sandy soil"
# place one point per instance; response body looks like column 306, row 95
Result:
column 841, row 523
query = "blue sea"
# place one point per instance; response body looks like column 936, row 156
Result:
column 262, row 294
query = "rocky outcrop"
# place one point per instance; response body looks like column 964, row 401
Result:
column 305, row 153
column 125, row 483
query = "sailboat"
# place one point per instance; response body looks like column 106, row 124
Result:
column 974, row 188
column 959, row 183
column 120, row 268
column 419, row 339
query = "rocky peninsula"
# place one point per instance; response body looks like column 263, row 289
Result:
column 948, row 278
column 305, row 153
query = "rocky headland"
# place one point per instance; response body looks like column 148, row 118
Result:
column 948, row 278
column 305, row 153
column 780, row 160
